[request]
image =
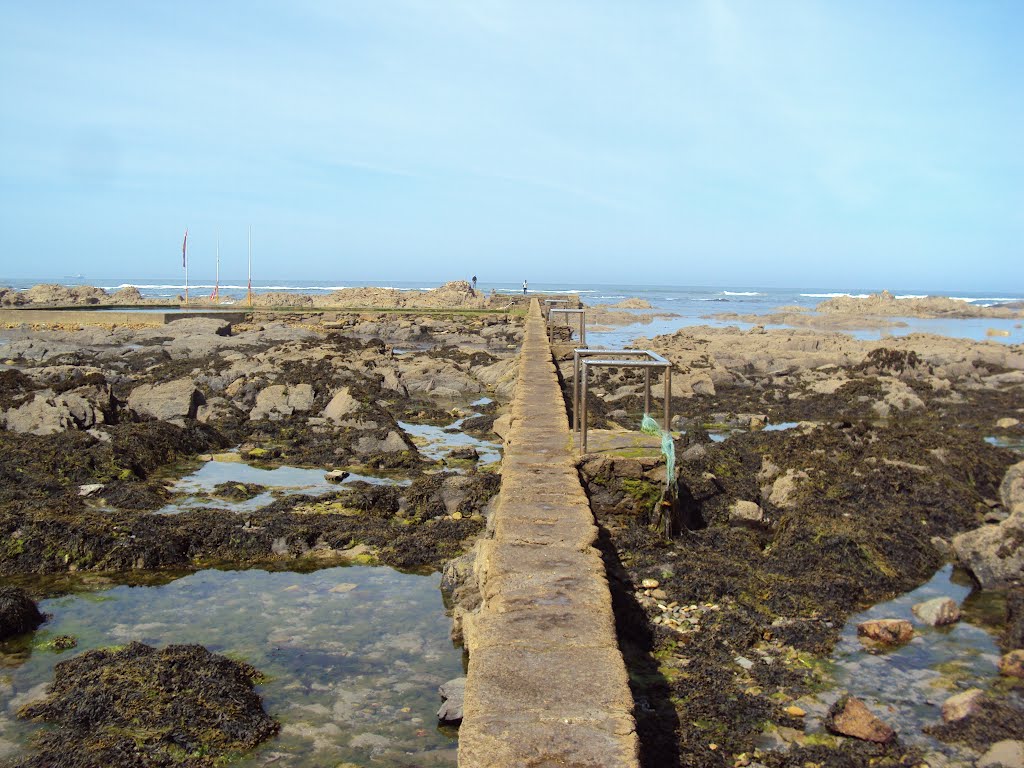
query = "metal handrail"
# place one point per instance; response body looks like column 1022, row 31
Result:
column 580, row 313
column 606, row 358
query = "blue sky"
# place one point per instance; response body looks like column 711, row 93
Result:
column 706, row 142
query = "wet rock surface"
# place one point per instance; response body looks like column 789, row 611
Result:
column 292, row 393
column 858, row 503
column 140, row 706
column 18, row 612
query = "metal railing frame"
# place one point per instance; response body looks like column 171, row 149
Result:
column 548, row 305
column 580, row 313
column 605, row 358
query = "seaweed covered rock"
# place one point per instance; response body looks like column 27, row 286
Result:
column 143, row 706
column 18, row 612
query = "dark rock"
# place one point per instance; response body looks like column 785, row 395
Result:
column 18, row 612
column 179, row 706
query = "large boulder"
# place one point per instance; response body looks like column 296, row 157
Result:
column 342, row 405
column 178, row 399
column 47, row 413
column 994, row 553
column 281, row 400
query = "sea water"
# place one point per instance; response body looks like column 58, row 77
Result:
column 353, row 656
column 690, row 303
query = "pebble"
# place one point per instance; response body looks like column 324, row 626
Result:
column 650, row 583
column 794, row 711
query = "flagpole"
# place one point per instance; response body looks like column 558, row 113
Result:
column 184, row 262
column 250, row 267
column 216, row 282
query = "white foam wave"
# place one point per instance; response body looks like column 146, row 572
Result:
column 742, row 293
column 962, row 298
column 226, row 287
column 912, row 296
column 835, row 295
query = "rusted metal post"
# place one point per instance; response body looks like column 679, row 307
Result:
column 647, row 391
column 583, row 415
column 668, row 398
column 575, row 390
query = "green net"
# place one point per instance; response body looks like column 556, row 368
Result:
column 668, row 447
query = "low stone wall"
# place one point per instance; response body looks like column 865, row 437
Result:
column 108, row 317
column 546, row 683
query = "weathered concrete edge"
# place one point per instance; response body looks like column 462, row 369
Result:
column 90, row 316
column 546, row 683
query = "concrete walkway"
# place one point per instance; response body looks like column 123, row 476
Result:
column 546, row 684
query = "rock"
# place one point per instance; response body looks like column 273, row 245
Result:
column 89, row 489
column 744, row 663
column 1008, row 753
column 994, row 553
column 335, row 475
column 502, row 426
column 784, row 489
column 341, row 405
column 694, row 453
column 18, row 612
column 886, row 631
column 962, row 705
column 746, row 513
column 453, row 693
column 280, row 400
column 1011, row 490
column 147, row 701
column 898, row 397
column 794, row 711
column 650, row 583
column 392, row 443
column 937, row 612
column 1012, row 664
column 1007, row 423
column 47, row 413
column 467, row 453
column 177, row 399
column 300, row 397
column 850, row 717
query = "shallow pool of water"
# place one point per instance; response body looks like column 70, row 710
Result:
column 906, row 686
column 1005, row 441
column 353, row 655
column 436, row 442
column 197, row 486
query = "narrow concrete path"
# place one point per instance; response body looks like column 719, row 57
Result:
column 546, row 685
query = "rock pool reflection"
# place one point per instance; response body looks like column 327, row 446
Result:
column 353, row 655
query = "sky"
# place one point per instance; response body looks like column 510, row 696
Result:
column 697, row 142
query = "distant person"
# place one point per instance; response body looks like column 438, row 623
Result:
column 524, row 287
column 474, row 282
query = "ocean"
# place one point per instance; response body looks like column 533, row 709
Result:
column 691, row 304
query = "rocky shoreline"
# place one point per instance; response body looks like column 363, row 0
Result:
column 457, row 294
column 729, row 599
column 880, row 474
column 100, row 423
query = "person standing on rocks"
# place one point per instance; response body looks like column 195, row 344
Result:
column 474, row 282
column 524, row 287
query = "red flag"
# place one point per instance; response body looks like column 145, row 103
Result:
column 184, row 243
